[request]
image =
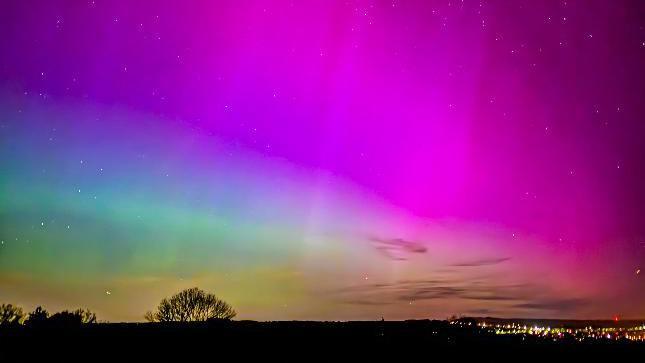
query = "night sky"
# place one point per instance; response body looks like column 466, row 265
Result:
column 325, row 159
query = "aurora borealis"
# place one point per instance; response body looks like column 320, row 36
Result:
column 324, row 159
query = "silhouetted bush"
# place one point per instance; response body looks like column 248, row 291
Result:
column 87, row 317
column 73, row 318
column 11, row 314
column 38, row 317
column 191, row 305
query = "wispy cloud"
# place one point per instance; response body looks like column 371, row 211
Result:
column 397, row 248
column 367, row 302
column 560, row 305
column 498, row 298
column 482, row 262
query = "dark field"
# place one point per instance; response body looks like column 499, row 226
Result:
column 303, row 341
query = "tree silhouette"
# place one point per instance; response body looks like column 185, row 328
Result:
column 191, row 305
column 37, row 317
column 76, row 317
column 86, row 316
column 10, row 314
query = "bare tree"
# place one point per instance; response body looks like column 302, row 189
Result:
column 191, row 305
column 11, row 314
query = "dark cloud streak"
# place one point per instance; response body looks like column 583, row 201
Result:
column 505, row 297
column 482, row 262
column 396, row 249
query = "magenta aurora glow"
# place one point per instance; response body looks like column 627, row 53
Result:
column 325, row 159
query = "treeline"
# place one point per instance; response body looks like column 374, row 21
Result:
column 186, row 306
column 12, row 315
